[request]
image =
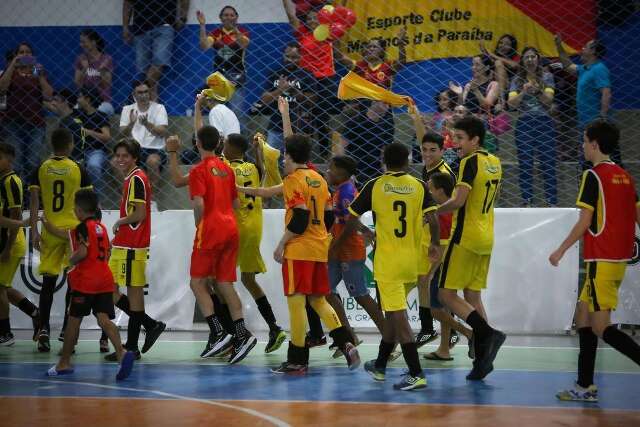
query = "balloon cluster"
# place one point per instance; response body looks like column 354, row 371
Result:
column 334, row 21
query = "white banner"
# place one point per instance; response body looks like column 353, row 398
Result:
column 525, row 293
column 628, row 311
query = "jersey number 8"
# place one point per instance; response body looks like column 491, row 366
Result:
column 58, row 196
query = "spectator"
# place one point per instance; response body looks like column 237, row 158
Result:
column 481, row 93
column 146, row 122
column 220, row 116
column 593, row 96
column 96, row 135
column 506, row 59
column 230, row 42
column 563, row 110
column 370, row 124
column 94, row 68
column 531, row 94
column 62, row 104
column 296, row 85
column 25, row 83
column 152, row 32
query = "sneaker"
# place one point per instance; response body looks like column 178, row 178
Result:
column 290, row 369
column 36, row 327
column 126, row 365
column 579, row 394
column 488, row 349
column 394, row 356
column 376, row 374
column 410, row 382
column 113, row 357
column 104, row 346
column 241, row 348
column 337, row 353
column 453, row 340
column 276, row 338
column 216, row 344
column 7, row 340
column 311, row 342
column 352, row 356
column 61, row 336
column 423, row 338
column 43, row 341
column 152, row 336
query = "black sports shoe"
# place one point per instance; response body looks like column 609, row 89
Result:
column 241, row 348
column 290, row 369
column 113, row 357
column 488, row 350
column 352, row 356
column 7, row 340
column 217, row 344
column 276, row 338
column 152, row 335
column 423, row 338
column 311, row 342
column 43, row 341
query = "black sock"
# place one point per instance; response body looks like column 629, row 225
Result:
column 410, row 354
column 481, row 328
column 5, row 326
column 267, row 313
column 297, row 355
column 46, row 300
column 587, row 356
column 315, row 326
column 384, row 351
column 27, row 307
column 214, row 324
column 133, row 330
column 341, row 337
column 123, row 304
column 622, row 342
column 241, row 330
column 426, row 319
column 223, row 314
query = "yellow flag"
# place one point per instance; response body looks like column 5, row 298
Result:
column 353, row 86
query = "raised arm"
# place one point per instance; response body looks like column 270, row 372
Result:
column 564, row 56
column 402, row 50
column 172, row 146
column 283, row 107
column 290, row 10
column 204, row 41
column 418, row 123
column 197, row 113
column 258, row 154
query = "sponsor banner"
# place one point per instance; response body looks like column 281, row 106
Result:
column 628, row 311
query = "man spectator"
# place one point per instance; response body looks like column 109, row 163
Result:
column 146, row 122
column 152, row 31
column 95, row 133
column 296, row 85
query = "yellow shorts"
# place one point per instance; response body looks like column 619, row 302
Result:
column 54, row 254
column 128, row 266
column 464, row 269
column 392, row 296
column 424, row 264
column 8, row 270
column 601, row 285
column 249, row 256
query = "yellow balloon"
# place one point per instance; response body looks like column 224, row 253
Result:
column 321, row 33
column 210, row 39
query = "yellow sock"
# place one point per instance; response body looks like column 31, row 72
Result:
column 297, row 318
column 326, row 312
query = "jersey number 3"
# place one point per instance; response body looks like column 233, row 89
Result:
column 401, row 207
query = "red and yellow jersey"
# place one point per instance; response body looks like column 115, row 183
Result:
column 307, row 187
column 215, row 182
column 609, row 191
column 315, row 56
column 92, row 275
column 136, row 189
column 353, row 249
column 382, row 74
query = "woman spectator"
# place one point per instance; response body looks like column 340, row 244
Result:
column 94, row 69
column 506, row 59
column 26, row 85
column 531, row 94
column 230, row 42
column 370, row 124
column 481, row 93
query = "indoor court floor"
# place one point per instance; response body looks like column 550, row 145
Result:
column 172, row 386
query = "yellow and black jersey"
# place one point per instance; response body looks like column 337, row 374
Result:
column 441, row 167
column 247, row 175
column 11, row 194
column 398, row 202
column 58, row 179
column 481, row 172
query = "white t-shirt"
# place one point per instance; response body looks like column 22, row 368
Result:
column 223, row 119
column 157, row 116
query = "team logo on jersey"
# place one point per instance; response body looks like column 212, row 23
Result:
column 635, row 258
column 57, row 171
column 381, row 75
column 243, row 172
column 313, row 183
column 218, row 172
column 30, row 276
column 398, row 189
column 99, row 231
column 492, row 169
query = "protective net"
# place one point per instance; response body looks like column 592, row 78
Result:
column 496, row 59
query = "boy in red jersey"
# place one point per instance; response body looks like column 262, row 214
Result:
column 609, row 211
column 212, row 187
column 91, row 283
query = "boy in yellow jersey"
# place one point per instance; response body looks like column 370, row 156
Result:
column 56, row 182
column 400, row 203
column 466, row 261
column 249, row 218
column 12, row 245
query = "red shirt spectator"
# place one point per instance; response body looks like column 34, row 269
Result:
column 316, row 56
column 381, row 74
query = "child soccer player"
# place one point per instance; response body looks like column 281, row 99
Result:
column 466, row 262
column 609, row 211
column 399, row 203
column 91, row 283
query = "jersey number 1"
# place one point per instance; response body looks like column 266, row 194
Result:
column 58, row 196
column 401, row 206
column 490, row 195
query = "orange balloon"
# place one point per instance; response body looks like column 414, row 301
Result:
column 321, row 33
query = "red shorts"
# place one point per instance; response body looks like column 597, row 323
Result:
column 218, row 262
column 305, row 277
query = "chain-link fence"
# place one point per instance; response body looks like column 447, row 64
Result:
column 72, row 63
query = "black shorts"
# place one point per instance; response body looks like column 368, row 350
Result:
column 83, row 304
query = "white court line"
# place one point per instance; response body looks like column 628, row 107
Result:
column 275, row 421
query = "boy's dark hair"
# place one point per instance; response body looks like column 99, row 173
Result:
column 209, row 138
column 298, row 147
column 395, row 155
column 7, row 150
column 92, row 94
column 238, row 141
column 472, row 126
column 443, row 181
column 346, row 163
column 68, row 95
column 131, row 146
column 87, row 200
column 434, row 138
column 61, row 140
column 605, row 133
